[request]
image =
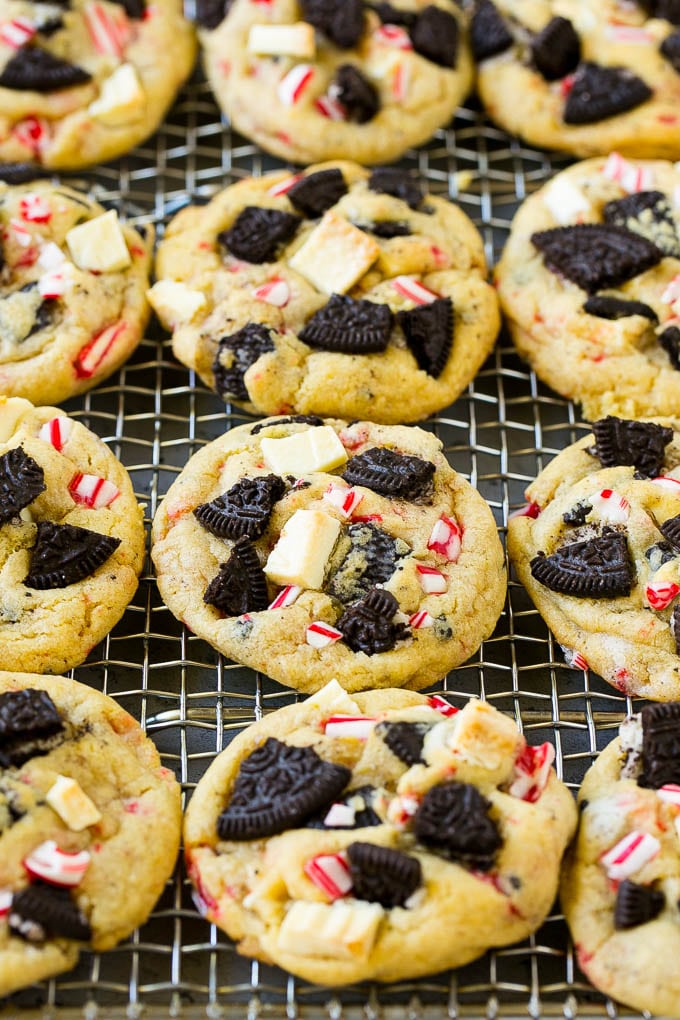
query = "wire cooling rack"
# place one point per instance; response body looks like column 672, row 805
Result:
column 155, row 414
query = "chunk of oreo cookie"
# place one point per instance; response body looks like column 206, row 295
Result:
column 241, row 585
column 50, row 27
column 668, row 9
column 42, row 911
column 349, row 326
column 211, row 13
column 648, row 213
column 133, row 8
column 453, row 819
column 670, row 529
column 364, row 816
column 599, row 92
column 368, row 626
column 636, row 904
column 257, row 234
column 64, row 554
column 606, row 307
column 364, row 556
column 640, row 444
column 244, row 510
column 391, row 474
column 660, row 745
column 235, row 354
column 21, row 481
column 341, row 21
column 355, row 93
column 675, row 627
column 313, row 194
column 670, row 49
column 660, row 553
column 381, row 875
column 387, row 228
column 576, row 516
column 404, row 739
column 489, row 32
column 390, row 15
column 556, row 50
column 277, row 788
column 669, row 340
column 390, row 180
column 429, row 333
column 21, row 173
column 30, row 725
column 596, row 256
column 36, row 70
column 302, row 419
column 435, row 36
column 599, row 568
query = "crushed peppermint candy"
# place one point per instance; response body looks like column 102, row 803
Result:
column 631, row 178
column 672, row 291
column 445, row 539
column 17, row 32
column 22, row 234
column 282, row 187
column 293, row 84
column 432, row 581
column 660, row 594
column 393, row 35
column 344, row 499
column 109, row 30
column 92, row 354
column 56, row 431
column 92, row 491
column 670, row 794
column 410, row 288
column 421, row 619
column 532, row 772
column 401, row 810
column 330, row 873
column 35, row 208
column 573, row 658
column 668, row 483
column 401, row 80
column 340, row 816
column 32, row 133
column 57, row 866
column 319, row 634
column 358, row 727
column 6, row 897
column 52, row 285
column 51, row 257
column 628, row 34
column 630, row 855
column 275, row 292
column 528, row 510
column 442, row 705
column 330, row 108
column 286, row 597
column 610, row 506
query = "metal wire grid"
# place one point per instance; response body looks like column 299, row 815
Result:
column 155, row 415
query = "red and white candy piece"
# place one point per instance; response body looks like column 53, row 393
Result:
column 628, row 34
column 35, row 209
column 340, row 816
column 359, row 727
column 574, row 659
column 532, row 772
column 401, row 79
column 393, row 35
column 630, row 855
column 56, row 431
column 344, row 499
column 631, row 178
column 109, row 30
column 92, row 355
column 669, row 793
column 330, row 872
column 32, row 133
column 441, row 705
column 284, row 186
column 51, row 257
column 6, row 897
column 401, row 810
column 421, row 620
column 319, row 634
column 445, row 539
column 21, row 234
column 57, row 866
column 432, row 581
column 610, row 506
column 52, row 285
column 274, row 292
column 286, row 597
column 92, row 491
column 17, row 32
column 660, row 594
column 330, row 108
column 410, row 288
column 668, row 483
column 528, row 510
column 292, row 85
column 672, row 291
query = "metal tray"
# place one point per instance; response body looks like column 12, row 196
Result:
column 155, row 414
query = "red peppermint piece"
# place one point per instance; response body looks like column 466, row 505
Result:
column 629, row 34
column 330, row 873
column 274, row 292
column 56, row 431
column 35, row 209
column 21, row 234
column 57, row 866
column 660, row 594
column 432, row 581
column 611, row 506
column 286, row 597
column 574, row 659
column 359, row 727
column 283, row 186
column 528, row 510
column 52, row 285
column 442, row 705
column 6, row 897
column 413, row 290
column 92, row 491
column 668, row 483
column 32, row 132
column 344, row 499
column 92, row 355
column 630, row 855
column 109, row 29
column 393, row 35
column 292, row 85
column 445, row 539
column 532, row 772
column 330, row 108
column 400, row 82
column 420, row 620
column 319, row 634
column 17, row 32
column 669, row 793
column 672, row 291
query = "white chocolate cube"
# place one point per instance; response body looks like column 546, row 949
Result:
column 121, row 98
column 334, row 700
column 99, row 244
column 335, row 255
column 175, row 303
column 283, row 40
column 72, row 804
column 316, row 449
column 303, row 548
column 341, row 931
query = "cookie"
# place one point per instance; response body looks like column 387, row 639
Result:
column 84, row 81
column 621, row 879
column 72, row 291
column 71, row 539
column 318, row 79
column 590, row 284
column 89, row 825
column 315, row 549
column 336, row 292
column 460, row 851
column 598, row 549
column 583, row 78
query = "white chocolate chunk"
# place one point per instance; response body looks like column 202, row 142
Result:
column 12, row 410
column 334, row 699
column 175, row 303
column 478, row 733
column 121, row 98
column 99, row 244
column 342, row 930
column 283, row 40
column 72, row 804
column 316, row 449
column 335, row 255
column 303, row 548
column 565, row 201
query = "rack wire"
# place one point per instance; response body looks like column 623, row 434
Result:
column 154, row 415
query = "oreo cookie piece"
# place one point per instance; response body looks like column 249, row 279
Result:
column 21, row 173
column 341, row 21
column 390, row 15
column 675, row 627
column 404, row 739
column 381, row 875
column 389, row 180
column 435, row 36
column 313, row 194
column 641, row 444
column 599, row 92
column 391, row 474
column 30, row 725
column 577, row 515
column 356, row 93
column 50, row 27
column 606, row 307
column 368, row 626
column 648, row 213
column 133, row 8
column 42, row 911
column 364, row 817
column 453, row 819
column 364, row 556
column 65, row 553
column 556, row 50
column 660, row 553
column 670, row 49
column 670, row 529
column 387, row 228
column 211, row 13
column 36, row 70
column 256, row 234
column 489, row 32
column 244, row 510
column 241, row 585
column 636, row 904
column 599, row 568
column 235, row 354
column 277, row 788
column 350, row 326
column 429, row 333
column 301, row 419
column 660, row 745
column 21, row 481
column 669, row 340
column 596, row 256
